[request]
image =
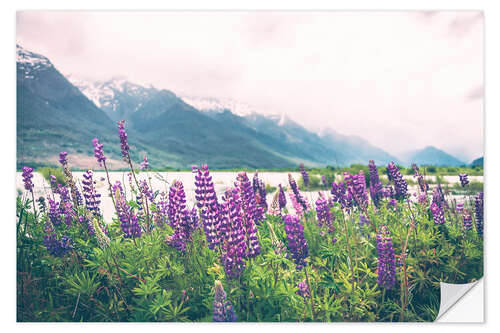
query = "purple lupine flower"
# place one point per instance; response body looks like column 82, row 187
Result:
column 160, row 215
column 420, row 178
column 117, row 186
column 467, row 221
column 260, row 197
column 171, row 206
column 144, row 188
column 234, row 244
column 53, row 184
column 363, row 220
column 479, row 205
column 386, row 259
column 460, row 207
column 63, row 193
column 400, row 184
column 323, row 181
column 98, row 152
column 323, row 212
column 437, row 214
column 87, row 222
column 282, row 197
column 79, row 198
column 63, row 158
column 422, row 199
column 90, row 194
column 54, row 212
column 123, row 140
column 341, row 195
column 255, row 182
column 195, row 219
column 438, row 197
column 275, row 208
column 393, row 204
column 303, row 289
column 300, row 199
column 388, row 192
column 55, row 247
column 184, row 222
column 297, row 243
column 305, row 175
column 249, row 214
column 129, row 221
column 68, row 211
column 50, row 239
column 177, row 203
column 376, row 187
column 464, row 180
column 145, row 163
column 222, row 308
column 27, row 175
column 299, row 209
column 259, row 190
column 183, row 233
column 207, row 201
column 224, row 226
column 356, row 185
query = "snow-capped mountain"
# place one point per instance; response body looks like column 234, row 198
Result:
column 118, row 97
column 220, row 104
column 30, row 63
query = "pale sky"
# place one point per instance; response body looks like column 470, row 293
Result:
column 402, row 80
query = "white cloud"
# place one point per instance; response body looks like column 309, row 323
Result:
column 403, row 80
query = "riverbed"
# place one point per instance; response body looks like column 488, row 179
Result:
column 161, row 181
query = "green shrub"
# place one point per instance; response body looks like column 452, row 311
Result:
column 430, row 169
column 47, row 172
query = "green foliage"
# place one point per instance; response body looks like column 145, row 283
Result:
column 270, row 189
column 47, row 172
column 146, row 279
column 314, row 183
column 431, row 169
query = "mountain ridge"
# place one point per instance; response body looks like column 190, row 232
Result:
column 430, row 155
column 224, row 133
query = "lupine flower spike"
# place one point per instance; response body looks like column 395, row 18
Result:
column 386, row 259
column 98, row 152
column 222, row 308
column 145, row 163
column 464, row 180
column 249, row 214
column 275, row 208
column 400, row 185
column 207, row 202
column 437, row 213
column 297, row 243
column 282, row 197
column 305, row 175
column 479, row 206
column 376, row 187
column 234, row 245
column 123, row 140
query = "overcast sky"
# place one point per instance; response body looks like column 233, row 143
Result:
column 402, row 80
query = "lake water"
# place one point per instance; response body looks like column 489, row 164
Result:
column 221, row 181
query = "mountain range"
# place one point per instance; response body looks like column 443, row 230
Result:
column 64, row 113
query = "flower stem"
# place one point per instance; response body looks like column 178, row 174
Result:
column 311, row 292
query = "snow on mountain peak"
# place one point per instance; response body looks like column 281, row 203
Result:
column 103, row 93
column 30, row 62
column 219, row 104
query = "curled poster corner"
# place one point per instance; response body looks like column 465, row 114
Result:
column 454, row 295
